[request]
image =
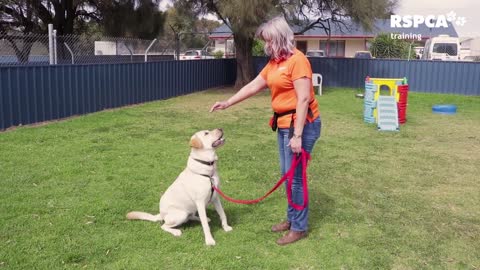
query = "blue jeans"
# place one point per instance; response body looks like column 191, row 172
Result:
column 311, row 133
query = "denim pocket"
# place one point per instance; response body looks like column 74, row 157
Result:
column 311, row 133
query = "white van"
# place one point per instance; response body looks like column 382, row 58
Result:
column 443, row 47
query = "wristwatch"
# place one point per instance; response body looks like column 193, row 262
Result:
column 297, row 136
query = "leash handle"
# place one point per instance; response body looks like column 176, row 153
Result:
column 303, row 157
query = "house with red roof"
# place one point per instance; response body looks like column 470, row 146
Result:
column 344, row 39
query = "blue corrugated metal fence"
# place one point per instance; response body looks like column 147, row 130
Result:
column 423, row 76
column 31, row 94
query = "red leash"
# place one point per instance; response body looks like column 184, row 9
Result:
column 303, row 158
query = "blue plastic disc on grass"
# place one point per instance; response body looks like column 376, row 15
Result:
column 444, row 109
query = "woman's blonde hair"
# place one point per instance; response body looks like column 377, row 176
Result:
column 279, row 35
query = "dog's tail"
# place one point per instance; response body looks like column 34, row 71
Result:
column 144, row 216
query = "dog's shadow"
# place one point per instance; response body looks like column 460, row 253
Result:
column 234, row 216
column 321, row 206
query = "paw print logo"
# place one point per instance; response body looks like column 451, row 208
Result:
column 461, row 21
column 451, row 16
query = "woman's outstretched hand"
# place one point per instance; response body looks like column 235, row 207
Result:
column 219, row 105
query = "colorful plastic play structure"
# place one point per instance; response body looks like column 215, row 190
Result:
column 387, row 110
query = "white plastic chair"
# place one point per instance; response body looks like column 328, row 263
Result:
column 317, row 80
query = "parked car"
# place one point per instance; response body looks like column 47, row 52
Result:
column 363, row 54
column 196, row 55
column 315, row 53
column 443, row 48
column 472, row 58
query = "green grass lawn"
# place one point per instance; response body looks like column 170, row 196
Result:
column 394, row 200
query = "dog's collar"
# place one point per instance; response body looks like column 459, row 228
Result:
column 205, row 162
column 206, row 175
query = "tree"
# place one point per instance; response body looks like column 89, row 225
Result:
column 185, row 28
column 132, row 18
column 138, row 18
column 383, row 46
column 179, row 25
column 33, row 16
column 205, row 27
column 244, row 17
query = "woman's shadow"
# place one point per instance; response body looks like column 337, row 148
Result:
column 320, row 206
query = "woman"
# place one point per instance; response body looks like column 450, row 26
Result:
column 288, row 75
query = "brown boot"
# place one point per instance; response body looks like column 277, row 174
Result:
column 281, row 227
column 290, row 237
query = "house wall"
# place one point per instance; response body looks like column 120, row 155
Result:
column 353, row 45
column 226, row 46
column 313, row 44
column 475, row 46
column 220, row 45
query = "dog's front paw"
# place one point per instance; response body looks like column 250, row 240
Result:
column 227, row 228
column 176, row 232
column 210, row 242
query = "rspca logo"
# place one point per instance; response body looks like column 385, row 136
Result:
column 431, row 21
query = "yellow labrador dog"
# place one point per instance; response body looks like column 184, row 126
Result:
column 192, row 191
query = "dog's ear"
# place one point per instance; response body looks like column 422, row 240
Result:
column 195, row 142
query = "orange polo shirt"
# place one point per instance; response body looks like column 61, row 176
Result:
column 279, row 76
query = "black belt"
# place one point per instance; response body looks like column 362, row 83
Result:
column 292, row 112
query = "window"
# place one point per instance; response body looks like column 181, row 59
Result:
column 192, row 53
column 448, row 48
column 333, row 48
column 301, row 45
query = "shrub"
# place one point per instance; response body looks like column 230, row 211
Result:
column 218, row 54
column 257, row 48
column 383, row 46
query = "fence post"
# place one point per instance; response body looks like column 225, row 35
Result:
column 131, row 53
column 50, row 43
column 177, row 46
column 70, row 50
column 148, row 49
column 55, row 47
column 410, row 50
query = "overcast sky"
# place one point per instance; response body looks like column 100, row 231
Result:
column 470, row 9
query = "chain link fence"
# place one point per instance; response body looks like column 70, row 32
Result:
column 23, row 49
column 86, row 50
column 34, row 49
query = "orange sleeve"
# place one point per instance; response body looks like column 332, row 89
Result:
column 301, row 68
column 264, row 71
